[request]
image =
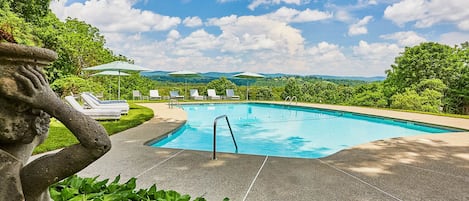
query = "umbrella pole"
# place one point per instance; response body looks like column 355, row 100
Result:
column 119, row 87
column 247, row 90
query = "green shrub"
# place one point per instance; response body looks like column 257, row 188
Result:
column 75, row 85
column 81, row 189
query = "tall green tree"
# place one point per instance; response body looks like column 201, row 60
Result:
column 432, row 61
column 30, row 10
column 425, row 61
column 21, row 30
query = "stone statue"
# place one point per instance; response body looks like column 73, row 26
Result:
column 26, row 104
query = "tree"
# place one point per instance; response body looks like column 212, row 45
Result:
column 264, row 93
column 425, row 61
column 429, row 61
column 31, row 10
column 370, row 94
column 293, row 88
column 408, row 100
column 428, row 100
column 432, row 84
column 22, row 31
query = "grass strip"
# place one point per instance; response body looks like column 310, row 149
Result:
column 60, row 136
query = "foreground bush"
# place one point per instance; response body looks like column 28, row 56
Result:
column 77, row 188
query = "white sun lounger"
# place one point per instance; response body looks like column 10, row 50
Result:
column 212, row 94
column 154, row 94
column 123, row 107
column 195, row 95
column 175, row 95
column 230, row 94
column 98, row 114
column 104, row 101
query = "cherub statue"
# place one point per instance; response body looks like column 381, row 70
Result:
column 26, row 104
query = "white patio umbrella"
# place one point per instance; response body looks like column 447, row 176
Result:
column 118, row 66
column 248, row 75
column 110, row 72
column 184, row 74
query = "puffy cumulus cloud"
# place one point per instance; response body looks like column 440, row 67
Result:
column 359, row 27
column 256, row 3
column 192, row 21
column 376, row 51
column 325, row 53
column 292, row 15
column 454, row 38
column 427, row 13
column 250, row 33
column 173, row 35
column 405, row 38
column 114, row 15
column 377, row 56
column 198, row 40
column 222, row 21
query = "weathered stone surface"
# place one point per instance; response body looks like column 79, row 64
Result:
column 26, row 105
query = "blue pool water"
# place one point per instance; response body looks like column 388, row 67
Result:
column 287, row 131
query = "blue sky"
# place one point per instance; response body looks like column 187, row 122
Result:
column 305, row 37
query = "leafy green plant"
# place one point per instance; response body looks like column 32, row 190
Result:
column 75, row 188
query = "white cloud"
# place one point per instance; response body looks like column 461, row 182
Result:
column 198, row 40
column 326, row 53
column 292, row 15
column 359, row 27
column 427, row 13
column 222, row 21
column 114, row 16
column 249, row 33
column 454, row 38
column 173, row 35
column 256, row 3
column 192, row 21
column 376, row 51
column 406, row 38
column 343, row 16
column 373, row 58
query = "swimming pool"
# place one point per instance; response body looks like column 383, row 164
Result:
column 286, row 131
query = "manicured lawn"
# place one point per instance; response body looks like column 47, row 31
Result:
column 60, row 136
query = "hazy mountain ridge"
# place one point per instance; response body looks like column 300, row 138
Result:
column 268, row 75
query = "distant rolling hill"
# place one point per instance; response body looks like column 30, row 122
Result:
column 209, row 76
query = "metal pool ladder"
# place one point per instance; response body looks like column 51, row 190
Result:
column 214, row 157
column 290, row 100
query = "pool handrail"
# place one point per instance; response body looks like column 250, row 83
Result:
column 290, row 100
column 214, row 157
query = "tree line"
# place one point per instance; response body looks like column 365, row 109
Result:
column 429, row 77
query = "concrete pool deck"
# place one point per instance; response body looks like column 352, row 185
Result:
column 426, row 167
